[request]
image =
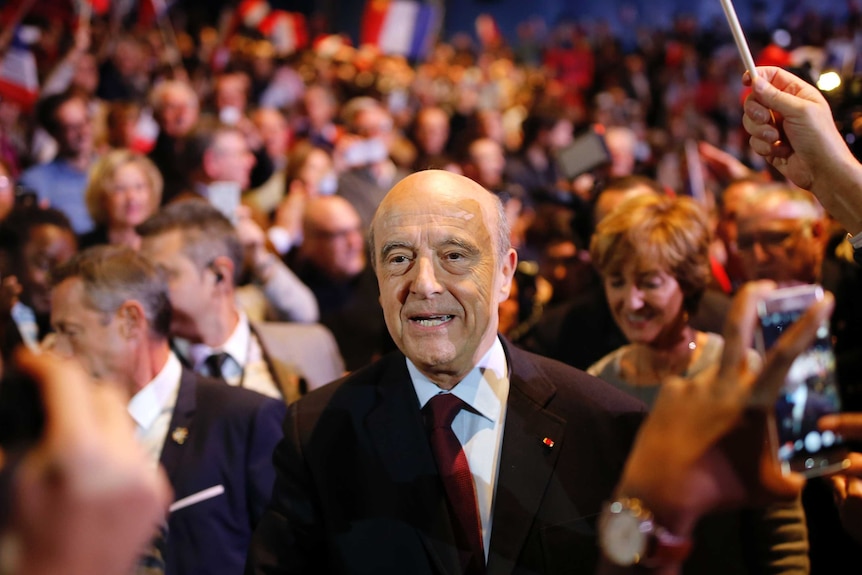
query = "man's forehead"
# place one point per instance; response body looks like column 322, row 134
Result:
column 70, row 291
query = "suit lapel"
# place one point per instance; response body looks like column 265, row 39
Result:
column 286, row 379
column 396, row 428
column 532, row 441
column 181, row 425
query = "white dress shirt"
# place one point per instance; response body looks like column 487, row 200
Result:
column 485, row 389
column 153, row 406
column 246, row 366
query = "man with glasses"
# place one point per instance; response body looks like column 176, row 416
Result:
column 63, row 180
column 332, row 261
column 781, row 235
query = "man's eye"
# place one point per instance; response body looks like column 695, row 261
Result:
column 454, row 256
column 399, row 259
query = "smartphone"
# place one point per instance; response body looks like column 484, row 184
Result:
column 586, row 153
column 810, row 389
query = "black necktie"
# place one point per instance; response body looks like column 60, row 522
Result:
column 457, row 478
column 215, row 364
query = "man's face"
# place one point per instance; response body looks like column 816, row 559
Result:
column 375, row 123
column 74, row 128
column 778, row 248
column 230, row 160
column 318, row 107
column 230, row 91
column 86, row 75
column 334, row 241
column 47, row 247
column 487, row 157
column 432, row 131
column 179, row 113
column 273, row 130
column 189, row 288
column 441, row 281
column 90, row 336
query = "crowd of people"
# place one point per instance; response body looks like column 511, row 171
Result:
column 282, row 265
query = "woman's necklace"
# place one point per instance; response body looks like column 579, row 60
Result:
column 642, row 369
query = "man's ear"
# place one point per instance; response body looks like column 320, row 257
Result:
column 133, row 320
column 509, row 264
column 222, row 269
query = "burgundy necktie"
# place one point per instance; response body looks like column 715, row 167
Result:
column 457, row 479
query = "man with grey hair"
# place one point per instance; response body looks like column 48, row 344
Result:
column 201, row 254
column 459, row 453
column 111, row 312
column 781, row 234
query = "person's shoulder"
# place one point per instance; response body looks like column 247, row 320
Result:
column 348, row 390
column 31, row 175
column 215, row 395
column 572, row 386
column 609, row 362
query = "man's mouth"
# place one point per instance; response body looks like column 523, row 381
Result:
column 431, row 320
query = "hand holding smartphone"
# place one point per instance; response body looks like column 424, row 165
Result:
column 810, row 389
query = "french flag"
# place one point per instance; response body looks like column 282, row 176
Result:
column 400, row 27
column 19, row 78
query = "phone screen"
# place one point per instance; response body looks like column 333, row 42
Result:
column 810, row 389
column 587, row 152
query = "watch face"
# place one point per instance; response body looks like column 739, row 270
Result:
column 620, row 536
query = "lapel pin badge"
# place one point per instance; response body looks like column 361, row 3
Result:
column 180, row 434
column 548, row 442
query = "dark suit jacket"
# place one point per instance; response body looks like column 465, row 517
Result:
column 357, row 488
column 229, row 437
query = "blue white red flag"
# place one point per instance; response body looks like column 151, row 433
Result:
column 400, row 27
column 19, row 77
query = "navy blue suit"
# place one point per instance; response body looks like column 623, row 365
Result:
column 357, row 488
column 219, row 435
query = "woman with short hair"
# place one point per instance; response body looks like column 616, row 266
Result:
column 124, row 189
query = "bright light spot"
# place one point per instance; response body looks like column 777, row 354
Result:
column 829, row 81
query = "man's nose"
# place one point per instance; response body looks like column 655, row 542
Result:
column 425, row 279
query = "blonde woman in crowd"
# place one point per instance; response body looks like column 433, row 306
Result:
column 124, row 189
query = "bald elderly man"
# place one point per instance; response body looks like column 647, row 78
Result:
column 367, row 475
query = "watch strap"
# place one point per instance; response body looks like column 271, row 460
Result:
column 665, row 548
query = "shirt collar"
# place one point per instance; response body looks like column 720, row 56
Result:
column 484, row 388
column 236, row 345
column 159, row 394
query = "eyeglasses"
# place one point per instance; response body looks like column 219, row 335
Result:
column 770, row 239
